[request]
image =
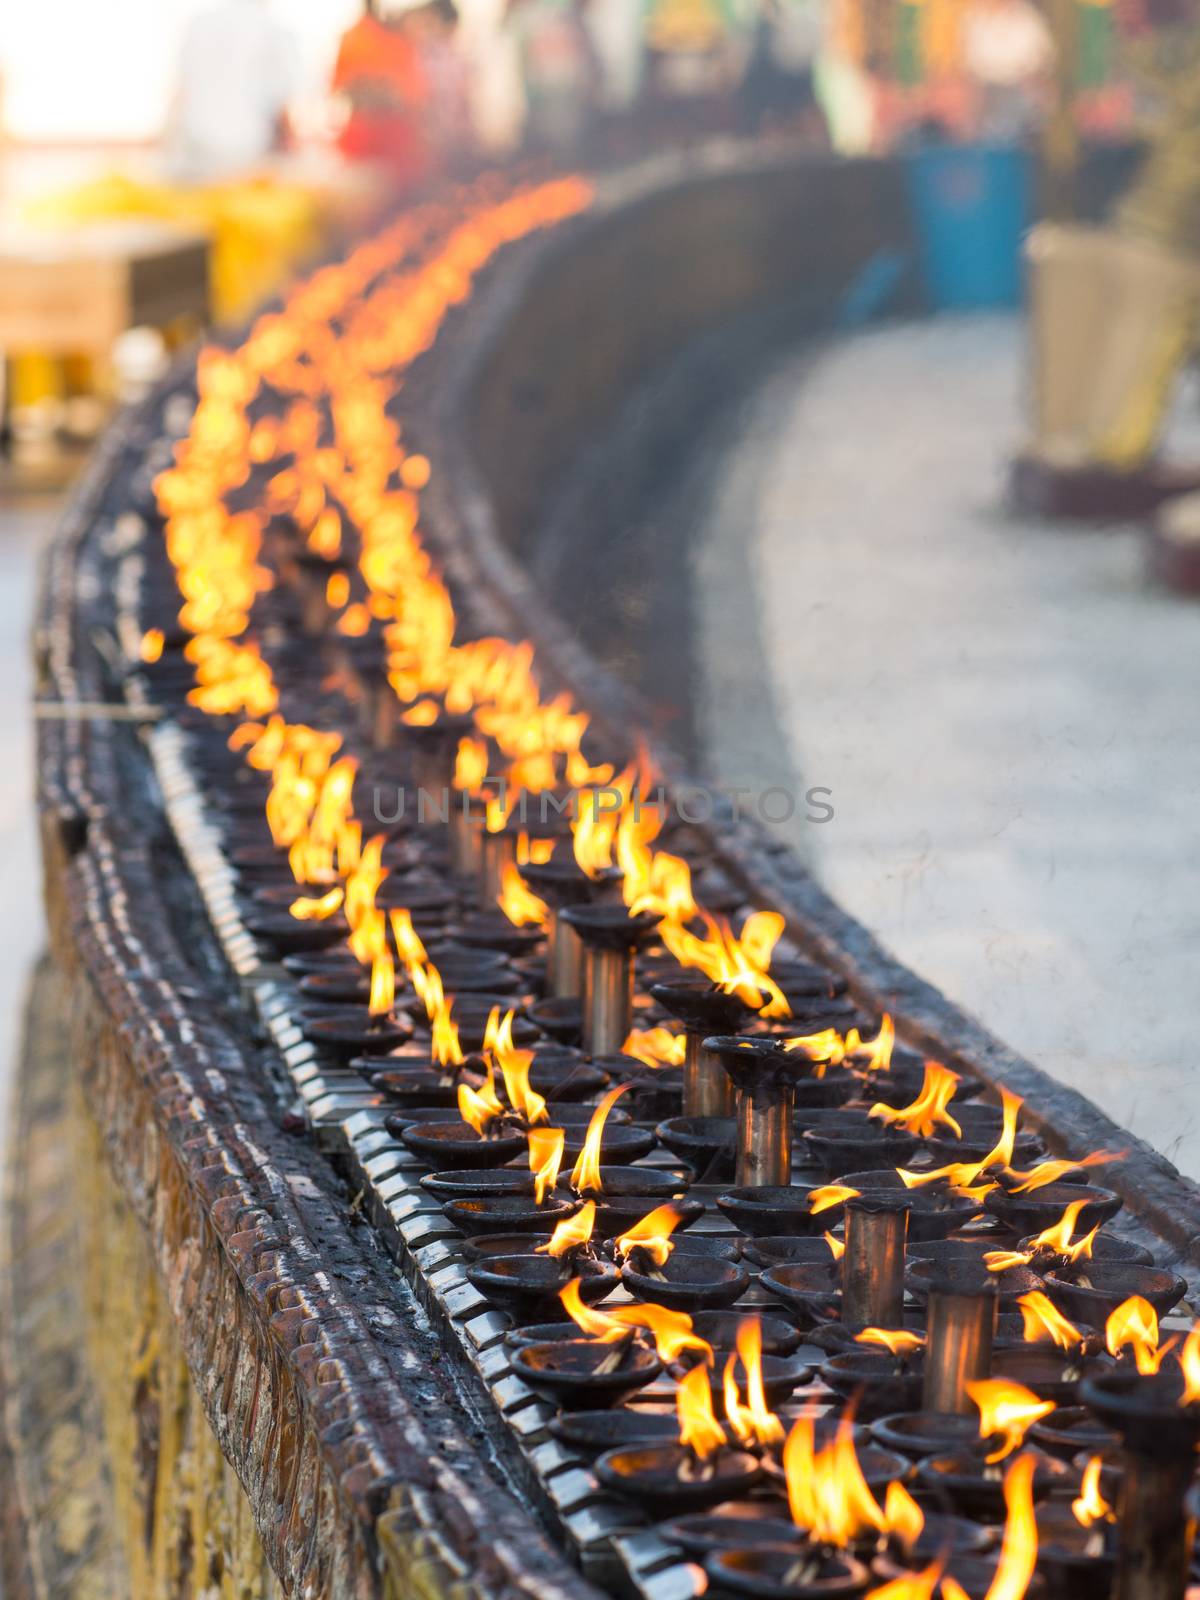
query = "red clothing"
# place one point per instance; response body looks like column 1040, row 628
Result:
column 380, row 70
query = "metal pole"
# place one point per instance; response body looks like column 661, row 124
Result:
column 607, row 999
column 707, row 1091
column 873, row 1263
column 958, row 1344
column 764, row 1135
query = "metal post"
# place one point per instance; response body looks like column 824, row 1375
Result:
column 764, row 1134
column 707, row 1091
column 873, row 1263
column 958, row 1345
column 564, row 958
column 607, row 999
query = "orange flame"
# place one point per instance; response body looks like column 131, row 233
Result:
column 652, row 1234
column 873, row 1055
column 916, row 1586
column 928, row 1111
column 964, row 1176
column 514, row 1067
column 1051, row 1171
column 408, row 944
column 670, row 1330
column 470, row 765
column 898, row 1340
column 828, row 1196
column 572, row 1233
column 727, row 961
column 383, row 985
column 151, row 648
column 827, row 1493
column 1019, row 1545
column 1134, row 1325
column 1090, row 1507
column 520, row 905
column 753, row 1422
column 657, row 1047
column 827, row 1046
column 545, row 1158
column 1058, row 1238
column 699, row 1430
column 836, row 1248
column 478, row 1107
column 1045, row 1322
column 903, row 1516
column 320, row 909
column 1189, row 1360
column 1007, row 1409
column 586, row 1172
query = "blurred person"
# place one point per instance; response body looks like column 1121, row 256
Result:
column 560, row 75
column 777, row 92
column 1008, row 54
column 443, row 60
column 382, row 80
column 237, row 71
column 695, row 61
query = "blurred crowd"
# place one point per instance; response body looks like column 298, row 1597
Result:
column 424, row 88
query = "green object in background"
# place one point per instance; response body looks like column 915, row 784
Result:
column 910, row 63
column 1096, row 44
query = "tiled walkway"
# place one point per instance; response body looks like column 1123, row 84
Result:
column 1005, row 712
column 23, row 525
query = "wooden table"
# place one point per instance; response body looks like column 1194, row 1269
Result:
column 73, row 292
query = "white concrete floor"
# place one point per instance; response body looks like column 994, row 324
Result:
column 24, row 524
column 1005, row 711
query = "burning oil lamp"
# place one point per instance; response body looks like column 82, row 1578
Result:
column 763, row 1076
column 937, row 1208
column 1089, row 1291
column 1056, row 1354
column 704, row 1008
column 610, row 936
column 876, row 1231
column 1158, row 1419
column 1033, row 1211
column 699, row 1470
column 579, row 1374
column 958, row 1349
column 1076, row 1543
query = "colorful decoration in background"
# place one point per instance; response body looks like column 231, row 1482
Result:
column 262, row 230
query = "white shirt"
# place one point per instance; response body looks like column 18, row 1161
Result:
column 236, row 74
column 1006, row 48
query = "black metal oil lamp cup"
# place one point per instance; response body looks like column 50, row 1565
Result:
column 610, row 937
column 704, row 1009
column 764, row 1076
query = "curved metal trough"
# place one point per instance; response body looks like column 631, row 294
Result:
column 192, row 1290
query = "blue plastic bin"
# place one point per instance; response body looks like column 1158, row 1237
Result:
column 972, row 206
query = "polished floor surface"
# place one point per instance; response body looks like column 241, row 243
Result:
column 1004, row 711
